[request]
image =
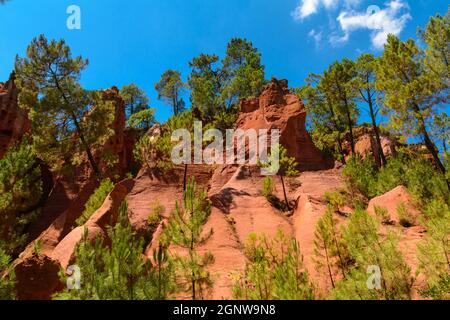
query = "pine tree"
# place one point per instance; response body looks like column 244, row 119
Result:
column 59, row 108
column 440, row 130
column 274, row 271
column 329, row 250
column 170, row 88
column 437, row 54
column 217, row 86
column 135, row 99
column 337, row 81
column 243, row 68
column 143, row 119
column 185, row 229
column 120, row 271
column 367, row 250
column 20, row 195
column 327, row 127
column 409, row 91
column 287, row 167
column 364, row 84
column 7, row 277
column 434, row 251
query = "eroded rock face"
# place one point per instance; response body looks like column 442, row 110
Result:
column 366, row 144
column 37, row 277
column 95, row 226
column 14, row 122
column 278, row 108
column 117, row 144
column 393, row 201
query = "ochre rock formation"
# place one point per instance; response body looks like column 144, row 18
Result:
column 366, row 144
column 278, row 108
column 14, row 121
column 238, row 206
column 37, row 277
column 392, row 201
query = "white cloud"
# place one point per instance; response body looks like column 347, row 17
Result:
column 382, row 22
column 317, row 36
column 352, row 16
column 309, row 7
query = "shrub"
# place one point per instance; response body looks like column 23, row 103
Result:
column 20, row 195
column 275, row 271
column 367, row 249
column 383, row 215
column 405, row 218
column 154, row 218
column 363, row 177
column 95, row 201
column 336, row 199
column 434, row 250
column 7, row 277
column 360, row 176
column 268, row 187
column 119, row 271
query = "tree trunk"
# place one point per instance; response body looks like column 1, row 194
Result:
column 328, row 264
column 86, row 147
column 185, row 178
column 429, row 143
column 79, row 131
column 377, row 132
column 284, row 191
column 350, row 127
column 339, row 141
column 333, row 116
column 433, row 150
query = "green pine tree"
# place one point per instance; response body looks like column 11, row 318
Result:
column 20, row 195
column 434, row 251
column 436, row 36
column 185, row 229
column 364, row 85
column 119, row 271
column 59, row 108
column 274, row 271
column 135, row 99
column 329, row 249
column 367, row 249
column 337, row 81
column 7, row 277
column 410, row 92
column 170, row 88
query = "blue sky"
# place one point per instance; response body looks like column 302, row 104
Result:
column 136, row 41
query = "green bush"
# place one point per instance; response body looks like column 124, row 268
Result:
column 154, row 218
column 336, row 199
column 7, row 277
column 143, row 150
column 95, row 201
column 367, row 249
column 268, row 187
column 20, row 195
column 361, row 176
column 434, row 250
column 119, row 271
column 418, row 175
column 383, row 215
column 405, row 218
column 275, row 271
